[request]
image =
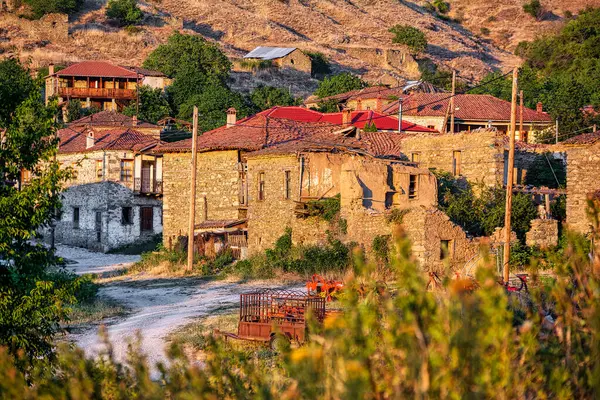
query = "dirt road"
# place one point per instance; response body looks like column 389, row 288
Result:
column 157, row 306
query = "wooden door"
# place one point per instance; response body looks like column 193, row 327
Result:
column 147, row 217
column 147, row 172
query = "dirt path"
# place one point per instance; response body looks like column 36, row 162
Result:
column 157, row 306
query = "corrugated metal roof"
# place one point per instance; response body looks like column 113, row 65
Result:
column 269, row 53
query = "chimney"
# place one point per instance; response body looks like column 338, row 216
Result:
column 134, row 120
column 539, row 108
column 51, row 69
column 231, row 117
column 346, row 117
column 378, row 105
column 359, row 105
column 89, row 140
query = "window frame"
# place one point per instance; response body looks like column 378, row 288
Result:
column 287, row 184
column 99, row 169
column 413, row 186
column 448, row 254
column 415, row 157
column 456, row 162
column 131, row 170
column 129, row 219
column 261, row 186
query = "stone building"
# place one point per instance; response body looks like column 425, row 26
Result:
column 583, row 172
column 114, row 197
column 101, row 84
column 282, row 57
column 255, row 178
column 472, row 111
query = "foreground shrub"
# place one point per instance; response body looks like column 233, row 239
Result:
column 126, row 12
column 409, row 36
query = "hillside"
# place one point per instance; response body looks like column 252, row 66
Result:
column 353, row 34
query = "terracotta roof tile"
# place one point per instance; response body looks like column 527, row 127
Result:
column 110, row 118
column 105, row 69
column 74, row 140
column 586, row 138
column 477, row 107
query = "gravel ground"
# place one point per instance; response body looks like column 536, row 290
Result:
column 83, row 261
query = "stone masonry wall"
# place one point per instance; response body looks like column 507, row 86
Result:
column 481, row 159
column 296, row 60
column 217, row 181
column 583, row 172
column 543, row 233
column 85, row 164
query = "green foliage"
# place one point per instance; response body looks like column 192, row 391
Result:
column 32, row 301
column 409, row 36
column 481, row 214
column 547, row 171
column 562, row 71
column 126, row 12
column 370, row 127
column 381, row 247
column 256, row 65
column 339, row 83
column 327, row 208
column 396, row 216
column 431, row 73
column 76, row 110
column 200, row 71
column 558, row 208
column 441, row 6
column 535, row 9
column 39, row 8
column 265, row 97
column 154, row 105
column 320, row 64
column 484, row 31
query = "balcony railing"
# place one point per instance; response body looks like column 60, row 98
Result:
column 97, row 93
column 147, row 186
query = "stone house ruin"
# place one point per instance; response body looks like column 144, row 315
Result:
column 114, row 198
column 255, row 178
column 472, row 111
column 282, row 57
column 101, row 84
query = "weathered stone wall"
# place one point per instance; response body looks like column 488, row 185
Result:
column 436, row 123
column 396, row 59
column 296, row 60
column 543, row 233
column 217, row 182
column 583, row 172
column 84, row 165
column 482, row 160
column 108, row 198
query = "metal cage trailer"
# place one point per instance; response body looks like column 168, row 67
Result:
column 269, row 314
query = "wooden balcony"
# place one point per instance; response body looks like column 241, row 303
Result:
column 147, row 186
column 102, row 93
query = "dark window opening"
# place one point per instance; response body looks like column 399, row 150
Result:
column 445, row 249
column 75, row 217
column 126, row 216
column 288, row 185
column 413, row 186
column 415, row 157
column 389, row 200
column 261, row 186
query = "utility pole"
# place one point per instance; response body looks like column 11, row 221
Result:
column 400, row 115
column 510, row 176
column 192, row 223
column 452, row 101
column 137, row 94
column 521, row 136
column 556, row 131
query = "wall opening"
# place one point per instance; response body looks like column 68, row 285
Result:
column 287, row 185
column 75, row 217
column 413, row 187
column 126, row 216
column 456, row 161
column 261, row 186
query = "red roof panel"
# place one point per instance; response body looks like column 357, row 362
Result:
column 97, row 68
column 74, row 140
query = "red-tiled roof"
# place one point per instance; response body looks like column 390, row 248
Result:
column 110, row 118
column 365, row 92
column 469, row 107
column 585, row 138
column 74, row 140
column 105, row 69
column 269, row 133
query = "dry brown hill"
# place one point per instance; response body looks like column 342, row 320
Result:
column 352, row 33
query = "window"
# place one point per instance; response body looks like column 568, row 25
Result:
column 126, row 170
column 146, row 219
column 287, row 185
column 75, row 217
column 445, row 249
column 431, row 126
column 126, row 216
column 415, row 157
column 456, row 160
column 99, row 169
column 413, row 186
column 261, row 186
column 243, row 174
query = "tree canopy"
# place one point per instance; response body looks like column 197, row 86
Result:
column 339, row 83
column 409, row 36
column 39, row 8
column 126, row 12
column 265, row 97
column 154, row 105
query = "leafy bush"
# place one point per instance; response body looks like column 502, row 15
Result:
column 370, row 127
column 441, row 6
column 320, row 64
column 126, row 12
column 409, row 36
column 339, row 83
column 485, row 31
column 153, row 107
column 265, row 97
column 535, row 9
column 76, row 110
column 327, row 208
column 545, row 170
column 396, row 216
column 39, row 8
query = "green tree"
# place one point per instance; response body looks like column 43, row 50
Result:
column 39, row 8
column 535, row 9
column 265, row 97
column 154, row 105
column 76, row 110
column 126, row 12
column 31, row 304
column 409, row 36
column 545, row 170
column 16, row 86
column 339, row 83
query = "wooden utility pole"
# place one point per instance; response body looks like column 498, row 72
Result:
column 192, row 223
column 452, row 101
column 400, row 115
column 556, row 131
column 510, row 176
column 521, row 136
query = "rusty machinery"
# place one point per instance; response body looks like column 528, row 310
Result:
column 319, row 286
column 268, row 315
